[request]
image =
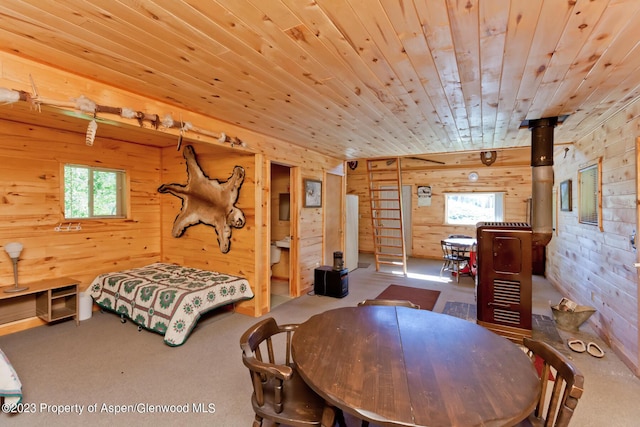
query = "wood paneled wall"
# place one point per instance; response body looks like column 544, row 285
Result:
column 30, row 172
column 606, row 278
column 510, row 173
column 31, row 208
column 31, row 162
column 249, row 254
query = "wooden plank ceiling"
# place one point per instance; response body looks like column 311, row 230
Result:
column 352, row 78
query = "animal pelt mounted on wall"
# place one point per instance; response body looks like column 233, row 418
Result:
column 207, row 201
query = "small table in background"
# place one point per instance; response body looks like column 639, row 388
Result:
column 468, row 245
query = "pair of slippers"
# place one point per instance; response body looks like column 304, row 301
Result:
column 579, row 347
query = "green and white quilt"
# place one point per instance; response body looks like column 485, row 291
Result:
column 167, row 298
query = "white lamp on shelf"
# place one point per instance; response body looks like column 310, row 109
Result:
column 14, row 249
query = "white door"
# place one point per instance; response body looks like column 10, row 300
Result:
column 406, row 218
column 351, row 243
column 332, row 217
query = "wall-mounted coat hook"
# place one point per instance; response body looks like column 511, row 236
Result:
column 68, row 227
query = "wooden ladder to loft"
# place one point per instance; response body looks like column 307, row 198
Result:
column 385, row 195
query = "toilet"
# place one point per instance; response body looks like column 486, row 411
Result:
column 275, row 254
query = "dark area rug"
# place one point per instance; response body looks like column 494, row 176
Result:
column 425, row 298
column 543, row 327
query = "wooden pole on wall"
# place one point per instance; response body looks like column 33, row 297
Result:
column 637, row 265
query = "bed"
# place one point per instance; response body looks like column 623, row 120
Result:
column 10, row 385
column 167, row 298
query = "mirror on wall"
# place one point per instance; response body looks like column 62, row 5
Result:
column 284, row 207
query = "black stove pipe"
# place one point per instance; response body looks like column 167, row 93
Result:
column 542, row 179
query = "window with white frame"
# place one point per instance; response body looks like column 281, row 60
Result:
column 589, row 187
column 471, row 208
column 91, row 192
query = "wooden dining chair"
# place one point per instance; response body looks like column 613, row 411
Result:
column 397, row 302
column 453, row 258
column 279, row 393
column 554, row 409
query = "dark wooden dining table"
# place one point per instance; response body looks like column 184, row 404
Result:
column 398, row 366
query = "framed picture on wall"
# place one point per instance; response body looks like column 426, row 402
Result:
column 424, row 195
column 312, row 193
column 565, row 195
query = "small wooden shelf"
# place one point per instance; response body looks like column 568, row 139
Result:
column 63, row 292
column 51, row 300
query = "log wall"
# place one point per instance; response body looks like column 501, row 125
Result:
column 606, row 278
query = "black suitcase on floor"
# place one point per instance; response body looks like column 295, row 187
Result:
column 330, row 282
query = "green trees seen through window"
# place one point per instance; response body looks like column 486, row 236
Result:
column 471, row 208
column 93, row 192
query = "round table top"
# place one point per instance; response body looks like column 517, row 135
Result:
column 461, row 241
column 403, row 366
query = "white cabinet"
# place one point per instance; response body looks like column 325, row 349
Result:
column 351, row 244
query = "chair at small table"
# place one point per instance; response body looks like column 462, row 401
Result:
column 401, row 303
column 279, row 393
column 473, row 259
column 453, row 257
column 554, row 410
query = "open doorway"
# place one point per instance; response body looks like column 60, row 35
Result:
column 280, row 259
